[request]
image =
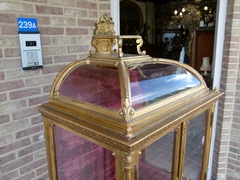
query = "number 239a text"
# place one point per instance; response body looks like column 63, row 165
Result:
column 27, row 25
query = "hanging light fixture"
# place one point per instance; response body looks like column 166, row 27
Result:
column 175, row 12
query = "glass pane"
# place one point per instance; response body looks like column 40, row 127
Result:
column 154, row 82
column 194, row 147
column 78, row 158
column 93, row 84
column 156, row 160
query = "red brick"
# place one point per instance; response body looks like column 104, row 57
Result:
column 15, row 145
column 46, row 89
column 232, row 39
column 49, row 10
column 30, row 149
column 12, row 106
column 38, row 100
column 16, row 125
column 75, row 12
column 232, row 52
column 42, row 170
column 53, row 69
column 6, row 139
column 10, row 63
column 10, row 29
column 234, row 162
column 80, row 48
column 93, row 14
column 76, row 31
column 36, row 120
column 86, row 22
column 44, row 176
column 41, row 80
column 230, row 177
column 11, row 175
column 68, row 58
column 2, row 76
column 233, row 145
column 4, row 119
column 30, row 175
column 33, row 165
column 64, row 40
column 85, row 40
column 63, row 21
column 38, row 1
column 52, row 50
column 24, row 93
column 38, row 137
column 51, row 30
column 16, row 7
column 29, row 131
column 104, row 6
column 8, row 18
column 87, row 5
column 24, row 113
column 231, row 155
column 46, row 40
column 19, row 73
column 47, row 60
column 8, row 158
column 43, row 20
column 10, row 85
column 70, row 3
column 12, row 52
column 3, row 97
column 16, row 164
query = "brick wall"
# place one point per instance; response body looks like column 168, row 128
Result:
column 66, row 27
column 226, row 164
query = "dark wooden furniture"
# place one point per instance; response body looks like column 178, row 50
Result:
column 202, row 46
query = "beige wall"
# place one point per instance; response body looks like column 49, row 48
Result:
column 66, row 27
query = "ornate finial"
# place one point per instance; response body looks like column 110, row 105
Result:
column 105, row 26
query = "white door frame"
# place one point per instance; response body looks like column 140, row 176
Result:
column 217, row 55
column 217, row 66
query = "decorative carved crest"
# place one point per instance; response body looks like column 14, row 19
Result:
column 105, row 26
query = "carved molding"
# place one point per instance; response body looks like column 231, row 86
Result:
column 115, row 143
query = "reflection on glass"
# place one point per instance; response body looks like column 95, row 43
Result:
column 156, row 160
column 93, row 84
column 194, row 147
column 154, row 82
column 78, row 158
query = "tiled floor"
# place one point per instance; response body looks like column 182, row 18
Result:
column 159, row 154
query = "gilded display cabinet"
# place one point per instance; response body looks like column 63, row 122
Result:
column 112, row 115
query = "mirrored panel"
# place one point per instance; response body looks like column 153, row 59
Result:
column 194, row 148
column 156, row 160
column 78, row 158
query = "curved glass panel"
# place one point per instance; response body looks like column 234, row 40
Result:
column 93, row 84
column 154, row 82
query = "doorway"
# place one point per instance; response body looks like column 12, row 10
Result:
column 217, row 55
